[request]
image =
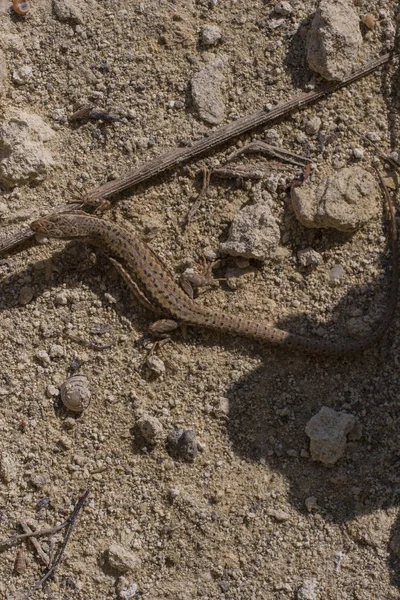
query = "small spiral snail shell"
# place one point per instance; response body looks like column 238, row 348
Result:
column 75, row 393
column 21, row 8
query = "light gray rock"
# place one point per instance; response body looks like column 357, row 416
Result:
column 345, row 201
column 211, row 35
column 254, row 233
column 308, row 590
column 22, row 75
column 23, row 156
column 126, row 590
column 150, row 429
column 121, row 559
column 207, row 92
column 309, row 257
column 68, row 10
column 334, row 39
column 283, row 8
column 327, row 431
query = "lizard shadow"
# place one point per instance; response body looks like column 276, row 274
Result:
column 270, row 407
column 268, row 412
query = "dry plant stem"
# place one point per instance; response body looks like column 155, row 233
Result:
column 39, row 533
column 52, row 571
column 279, row 153
column 45, row 559
column 222, row 135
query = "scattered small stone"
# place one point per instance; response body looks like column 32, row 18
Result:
column 68, row 10
column 155, row 364
column 150, row 429
column 52, row 391
column 309, row 257
column 23, row 156
column 283, row 8
column 279, row 515
column 254, row 233
column 61, row 299
column 22, row 75
column 207, row 94
column 358, row 153
column 313, row 125
column 43, row 358
column 334, row 39
column 38, row 481
column 211, row 35
column 181, row 443
column 336, row 274
column 43, row 503
column 395, row 155
column 121, row 559
column 311, row 503
column 8, row 469
column 125, row 589
column 308, row 590
column 328, row 431
column 345, row 201
column 25, row 295
column 56, row 351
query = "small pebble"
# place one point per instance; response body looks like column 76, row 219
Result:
column 283, row 8
column 279, row 515
column 313, row 125
column 25, row 295
column 125, row 589
column 336, row 274
column 309, row 257
column 8, row 469
column 121, row 559
column 22, row 75
column 150, row 429
column 38, row 481
column 43, row 358
column 181, row 443
column 311, row 503
column 358, row 152
column 211, row 35
column 61, row 299
column 56, row 351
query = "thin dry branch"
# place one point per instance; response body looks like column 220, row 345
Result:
column 179, row 156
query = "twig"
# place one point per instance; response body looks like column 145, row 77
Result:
column 35, row 543
column 263, row 148
column 222, row 135
column 52, row 571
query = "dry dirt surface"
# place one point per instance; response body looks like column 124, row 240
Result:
column 251, row 515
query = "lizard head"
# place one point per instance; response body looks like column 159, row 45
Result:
column 56, row 226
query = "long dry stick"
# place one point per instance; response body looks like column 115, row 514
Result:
column 221, row 136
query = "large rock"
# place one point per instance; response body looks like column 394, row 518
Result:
column 254, row 233
column 207, row 92
column 345, row 201
column 23, row 156
column 334, row 39
column 328, row 431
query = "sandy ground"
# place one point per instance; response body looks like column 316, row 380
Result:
column 253, row 517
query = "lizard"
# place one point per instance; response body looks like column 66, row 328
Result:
column 152, row 283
